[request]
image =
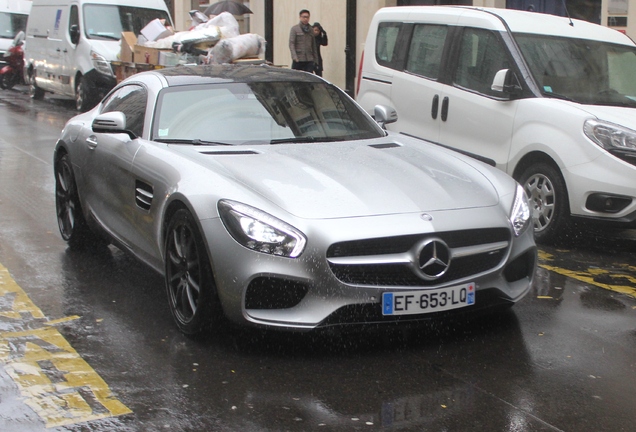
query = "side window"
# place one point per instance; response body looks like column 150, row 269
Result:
column 425, row 51
column 131, row 100
column 385, row 43
column 73, row 17
column 481, row 55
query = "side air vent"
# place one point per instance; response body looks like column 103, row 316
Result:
column 143, row 195
column 384, row 146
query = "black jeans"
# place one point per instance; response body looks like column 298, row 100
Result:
column 307, row 66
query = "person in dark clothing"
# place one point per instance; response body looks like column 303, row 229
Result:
column 302, row 44
column 321, row 39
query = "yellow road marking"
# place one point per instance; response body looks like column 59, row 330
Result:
column 591, row 274
column 52, row 377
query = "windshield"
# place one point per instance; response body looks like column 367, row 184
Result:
column 585, row 71
column 260, row 113
column 11, row 24
column 108, row 21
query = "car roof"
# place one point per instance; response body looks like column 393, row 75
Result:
column 500, row 19
column 207, row 74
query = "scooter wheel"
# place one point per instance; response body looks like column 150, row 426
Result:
column 7, row 81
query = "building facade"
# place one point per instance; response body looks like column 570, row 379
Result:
column 347, row 21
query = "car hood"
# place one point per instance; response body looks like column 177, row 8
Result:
column 623, row 116
column 330, row 180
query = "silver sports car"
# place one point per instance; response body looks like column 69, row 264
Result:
column 268, row 196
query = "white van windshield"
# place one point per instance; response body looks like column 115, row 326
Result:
column 11, row 24
column 584, row 71
column 108, row 21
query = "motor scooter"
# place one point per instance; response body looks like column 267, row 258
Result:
column 13, row 72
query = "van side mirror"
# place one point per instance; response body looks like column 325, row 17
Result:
column 506, row 81
column 111, row 122
column 74, row 33
column 384, row 115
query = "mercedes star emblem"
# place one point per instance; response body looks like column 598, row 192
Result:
column 434, row 259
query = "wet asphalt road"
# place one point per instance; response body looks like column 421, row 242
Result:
column 87, row 342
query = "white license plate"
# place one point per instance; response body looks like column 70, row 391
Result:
column 427, row 301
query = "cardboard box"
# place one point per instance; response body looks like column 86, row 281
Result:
column 146, row 55
column 128, row 41
column 155, row 30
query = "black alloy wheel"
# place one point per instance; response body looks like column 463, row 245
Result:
column 70, row 219
column 189, row 281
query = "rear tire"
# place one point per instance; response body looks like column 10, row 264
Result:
column 549, row 202
column 35, row 92
column 190, row 284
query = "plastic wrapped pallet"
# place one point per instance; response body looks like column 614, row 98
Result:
column 228, row 50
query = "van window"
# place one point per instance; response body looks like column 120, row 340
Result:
column 425, row 51
column 482, row 55
column 11, row 24
column 385, row 43
column 108, row 21
column 584, row 71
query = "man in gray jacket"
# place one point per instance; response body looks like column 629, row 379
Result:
column 302, row 44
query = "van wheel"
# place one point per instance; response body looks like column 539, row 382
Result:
column 549, row 201
column 83, row 100
column 35, row 92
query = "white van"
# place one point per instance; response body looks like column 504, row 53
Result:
column 70, row 44
column 13, row 19
column 549, row 100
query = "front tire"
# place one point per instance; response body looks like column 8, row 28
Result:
column 70, row 218
column 189, row 281
column 83, row 99
column 549, row 200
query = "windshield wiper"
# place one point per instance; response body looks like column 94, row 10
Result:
column 301, row 139
column 106, row 36
column 558, row 96
column 309, row 139
column 195, row 141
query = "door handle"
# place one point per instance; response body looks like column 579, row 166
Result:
column 445, row 108
column 435, row 107
column 92, row 142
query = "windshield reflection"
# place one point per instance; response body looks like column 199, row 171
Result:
column 261, row 113
column 584, row 71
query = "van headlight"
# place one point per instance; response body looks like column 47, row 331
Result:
column 520, row 212
column 261, row 231
column 610, row 136
column 100, row 64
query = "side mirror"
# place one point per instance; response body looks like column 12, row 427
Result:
column 111, row 122
column 506, row 81
column 384, row 115
column 74, row 33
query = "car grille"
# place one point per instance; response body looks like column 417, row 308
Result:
column 361, row 262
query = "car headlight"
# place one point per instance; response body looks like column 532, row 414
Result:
column 520, row 213
column 100, row 64
column 260, row 231
column 610, row 136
